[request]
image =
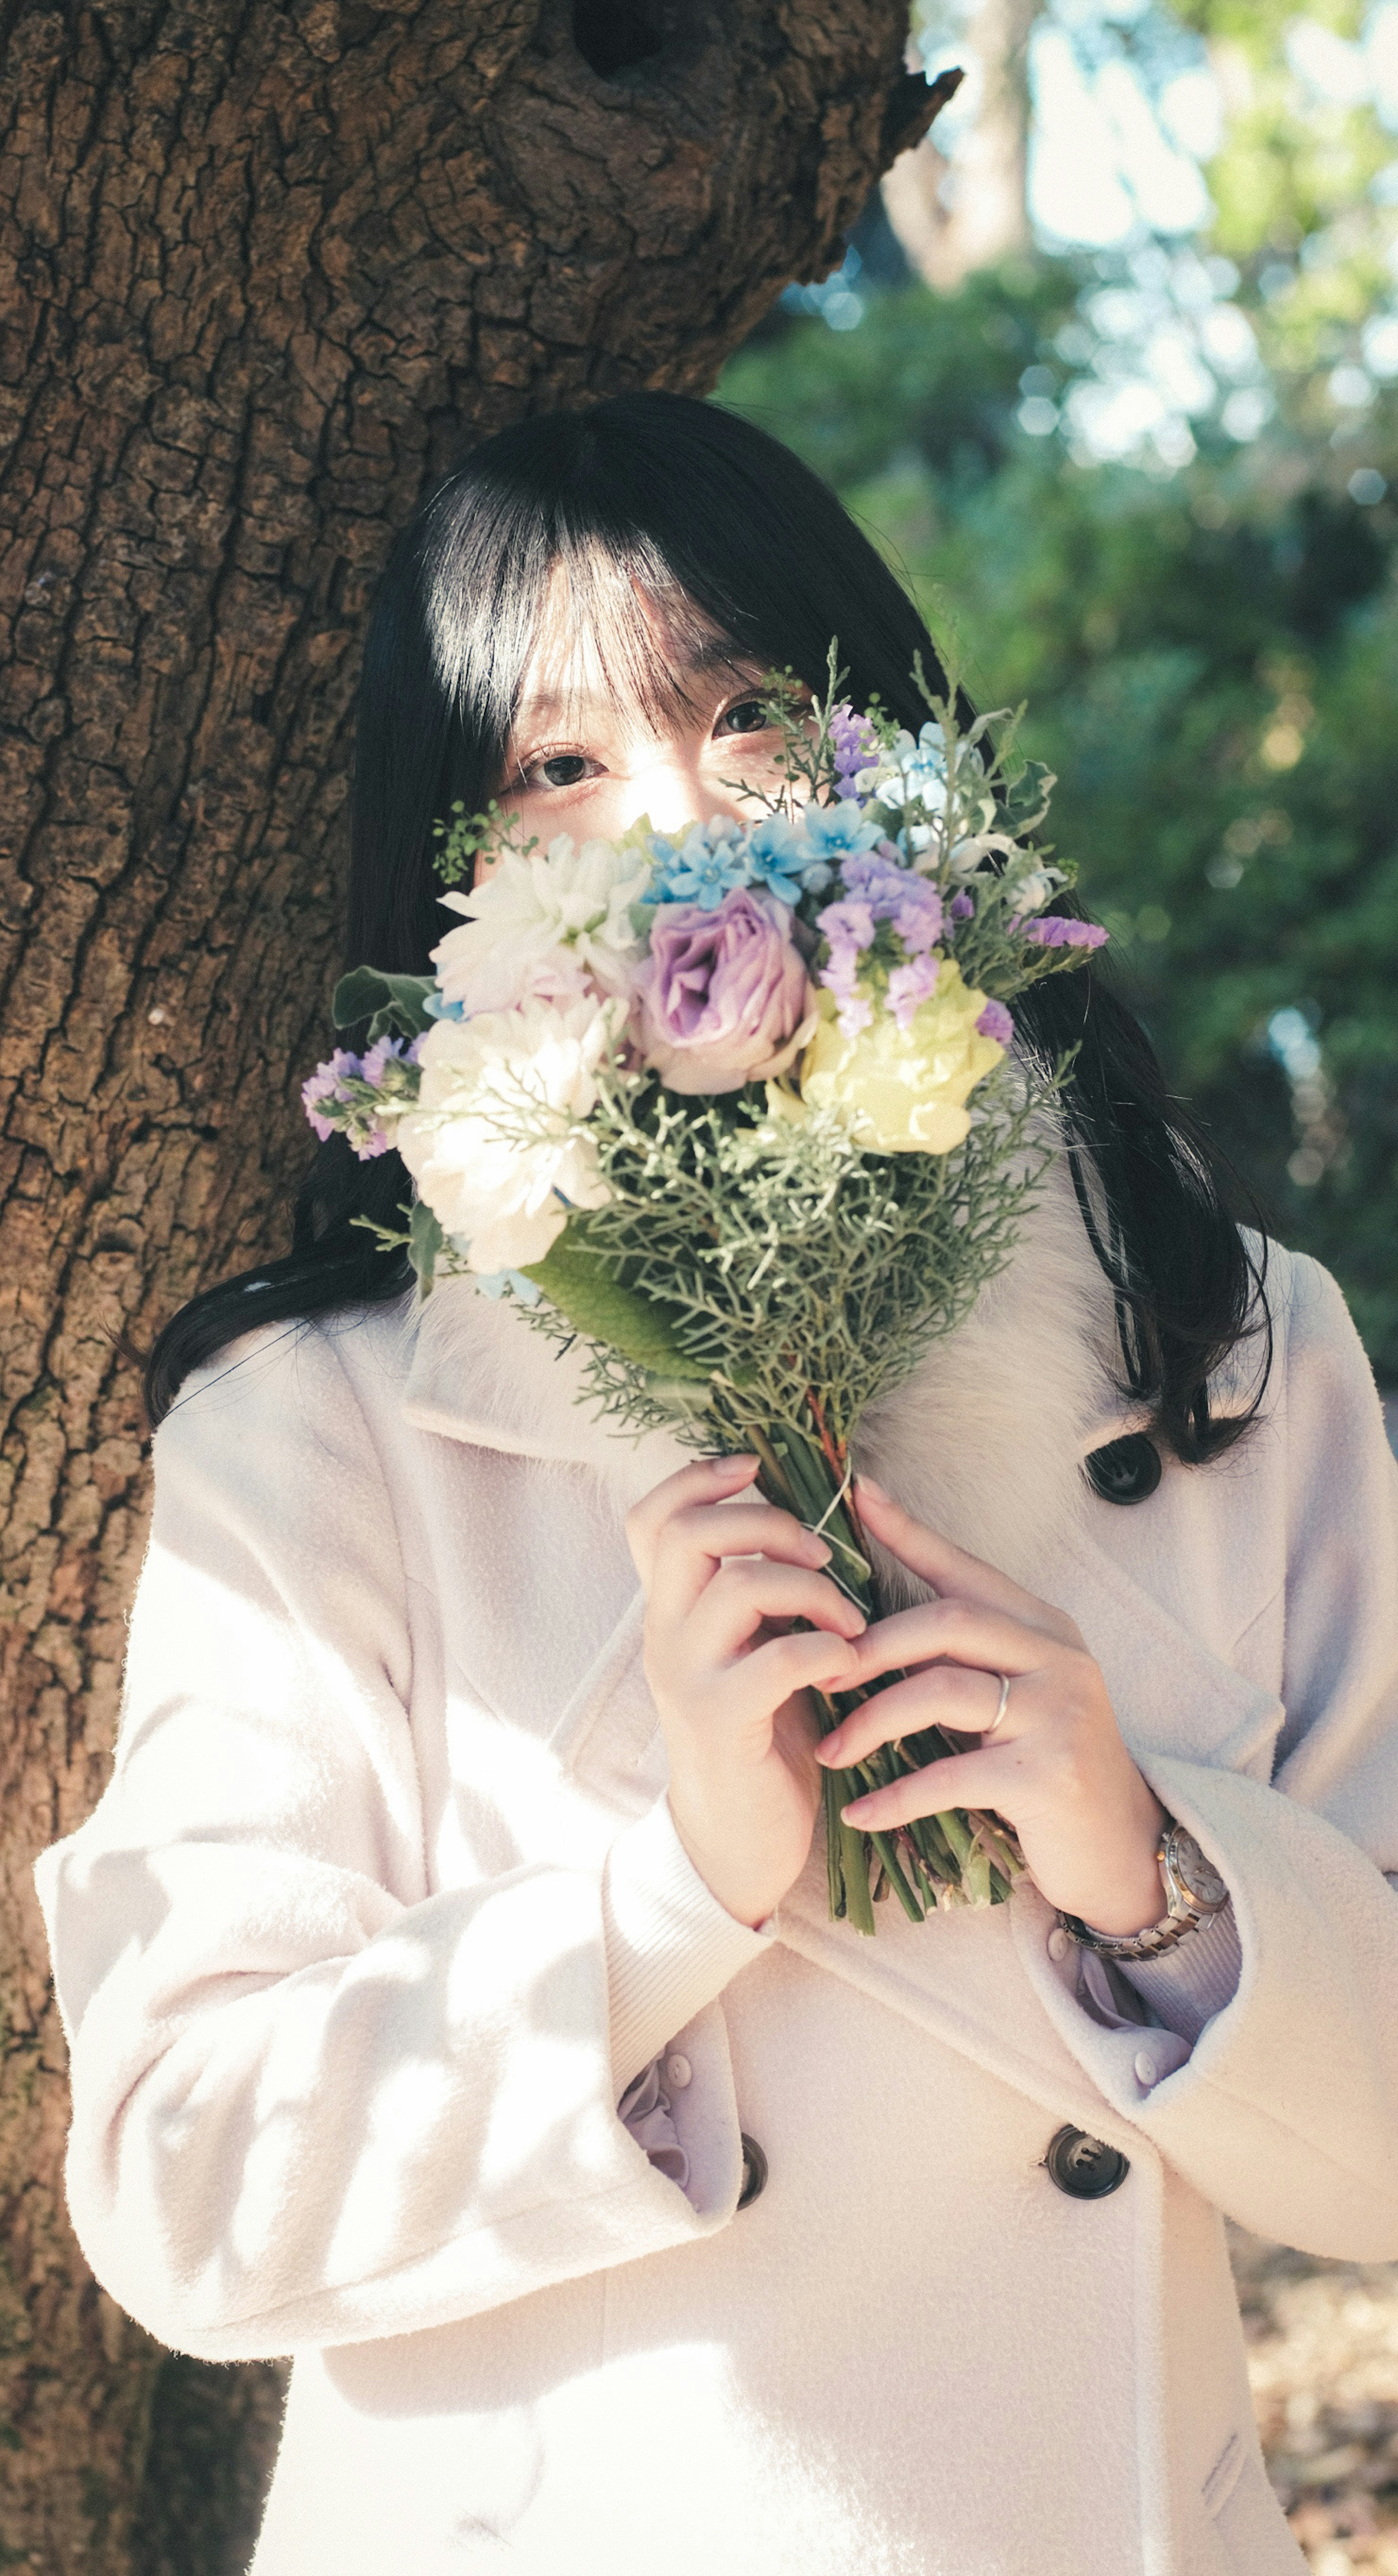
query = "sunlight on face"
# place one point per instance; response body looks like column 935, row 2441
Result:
column 587, row 758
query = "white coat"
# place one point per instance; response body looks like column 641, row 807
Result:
column 383, row 1907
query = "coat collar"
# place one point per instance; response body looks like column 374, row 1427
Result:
column 985, row 1439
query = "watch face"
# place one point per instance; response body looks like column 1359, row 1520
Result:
column 1196, row 1875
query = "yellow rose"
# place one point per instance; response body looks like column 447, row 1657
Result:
column 901, row 1091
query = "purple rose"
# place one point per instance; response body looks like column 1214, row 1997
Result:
column 724, row 997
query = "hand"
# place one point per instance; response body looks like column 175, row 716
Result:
column 731, row 1681
column 1056, row 1769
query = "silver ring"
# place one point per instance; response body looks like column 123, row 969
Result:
column 1004, row 1680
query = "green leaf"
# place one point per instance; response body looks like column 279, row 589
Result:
column 585, row 1289
column 425, row 1240
column 390, row 1003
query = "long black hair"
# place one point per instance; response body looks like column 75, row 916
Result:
column 703, row 513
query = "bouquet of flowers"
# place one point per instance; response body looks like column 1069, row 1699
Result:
column 745, row 1111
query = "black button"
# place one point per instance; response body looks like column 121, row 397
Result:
column 1126, row 1471
column 754, row 2172
column 1086, row 2168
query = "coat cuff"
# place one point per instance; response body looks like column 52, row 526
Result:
column 1186, row 1986
column 671, row 1947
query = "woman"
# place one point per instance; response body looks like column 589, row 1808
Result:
column 450, row 1989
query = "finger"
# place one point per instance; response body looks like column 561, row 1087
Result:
column 952, row 1695
column 945, row 1567
column 752, row 1690
column 708, row 1480
column 959, row 1629
column 985, row 1778
column 693, row 1543
column 734, row 1605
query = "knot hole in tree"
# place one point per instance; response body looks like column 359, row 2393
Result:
column 614, row 35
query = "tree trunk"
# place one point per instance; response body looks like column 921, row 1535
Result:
column 267, row 269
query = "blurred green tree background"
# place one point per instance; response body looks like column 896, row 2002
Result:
column 1148, row 485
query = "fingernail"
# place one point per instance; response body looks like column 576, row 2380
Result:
column 828, row 1752
column 851, row 1814
column 868, row 1485
column 734, row 1467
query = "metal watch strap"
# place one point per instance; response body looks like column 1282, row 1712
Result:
column 1125, row 1946
column 1185, row 1910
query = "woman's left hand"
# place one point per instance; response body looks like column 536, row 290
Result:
column 1056, row 1768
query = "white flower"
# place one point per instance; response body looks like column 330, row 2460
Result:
column 920, row 770
column 969, row 855
column 497, row 1143
column 1032, row 884
column 563, row 899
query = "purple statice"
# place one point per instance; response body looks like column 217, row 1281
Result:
column 910, row 986
column 876, row 879
column 995, row 1022
column 329, row 1083
column 849, row 931
column 855, row 1009
column 855, row 745
column 847, row 925
column 349, row 1095
column 384, row 1056
column 961, row 908
column 367, row 1141
column 894, row 894
column 918, row 919
column 1055, row 930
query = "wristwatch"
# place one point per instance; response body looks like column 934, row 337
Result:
column 1193, row 1893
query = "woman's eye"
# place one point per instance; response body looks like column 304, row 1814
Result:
column 747, row 716
column 558, row 769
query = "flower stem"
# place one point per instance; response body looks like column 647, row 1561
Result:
column 951, row 1857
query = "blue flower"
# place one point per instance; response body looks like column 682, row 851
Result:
column 779, row 860
column 924, row 767
column 494, row 1283
column 709, row 863
column 835, row 832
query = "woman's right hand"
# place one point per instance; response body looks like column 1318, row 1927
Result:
column 730, row 1679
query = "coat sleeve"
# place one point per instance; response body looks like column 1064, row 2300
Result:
column 1286, row 2113
column 314, row 2102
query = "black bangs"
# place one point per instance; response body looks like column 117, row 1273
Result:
column 635, row 546
column 674, row 534
column 616, row 626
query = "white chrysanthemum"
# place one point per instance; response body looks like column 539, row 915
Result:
column 497, row 1143
column 565, row 908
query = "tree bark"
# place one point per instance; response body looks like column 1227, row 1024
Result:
column 267, row 268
